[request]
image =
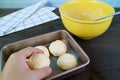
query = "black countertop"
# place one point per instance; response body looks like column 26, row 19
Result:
column 103, row 51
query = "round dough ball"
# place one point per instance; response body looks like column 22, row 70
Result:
column 46, row 52
column 67, row 61
column 58, row 48
column 37, row 61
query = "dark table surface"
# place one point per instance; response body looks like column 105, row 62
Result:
column 103, row 51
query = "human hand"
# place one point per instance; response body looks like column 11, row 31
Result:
column 16, row 67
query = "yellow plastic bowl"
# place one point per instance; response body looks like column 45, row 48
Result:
column 78, row 17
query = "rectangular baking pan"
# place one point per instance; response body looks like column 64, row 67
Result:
column 46, row 39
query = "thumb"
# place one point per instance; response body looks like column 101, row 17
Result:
column 42, row 73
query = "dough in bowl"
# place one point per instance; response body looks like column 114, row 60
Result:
column 67, row 61
column 46, row 51
column 37, row 61
column 58, row 48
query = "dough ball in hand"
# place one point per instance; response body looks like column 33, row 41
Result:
column 46, row 51
column 58, row 48
column 37, row 61
column 67, row 61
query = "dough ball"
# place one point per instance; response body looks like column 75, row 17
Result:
column 37, row 61
column 58, row 48
column 67, row 61
column 46, row 52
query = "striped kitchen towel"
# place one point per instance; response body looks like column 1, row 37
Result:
column 31, row 16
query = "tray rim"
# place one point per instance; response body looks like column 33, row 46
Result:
column 63, row 73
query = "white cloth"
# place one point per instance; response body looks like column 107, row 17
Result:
column 28, row 17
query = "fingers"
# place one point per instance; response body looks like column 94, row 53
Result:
column 42, row 73
column 29, row 51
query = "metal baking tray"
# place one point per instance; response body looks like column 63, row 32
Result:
column 46, row 39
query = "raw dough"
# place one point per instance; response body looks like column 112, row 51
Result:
column 46, row 52
column 67, row 61
column 37, row 61
column 58, row 48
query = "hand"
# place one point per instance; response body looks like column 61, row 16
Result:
column 16, row 67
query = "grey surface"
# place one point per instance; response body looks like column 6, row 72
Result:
column 0, row 60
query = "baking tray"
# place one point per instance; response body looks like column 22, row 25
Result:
column 46, row 39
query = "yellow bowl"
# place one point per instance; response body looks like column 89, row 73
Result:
column 78, row 17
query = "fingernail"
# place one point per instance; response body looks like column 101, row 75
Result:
column 49, row 70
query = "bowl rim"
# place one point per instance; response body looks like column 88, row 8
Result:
column 84, row 21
